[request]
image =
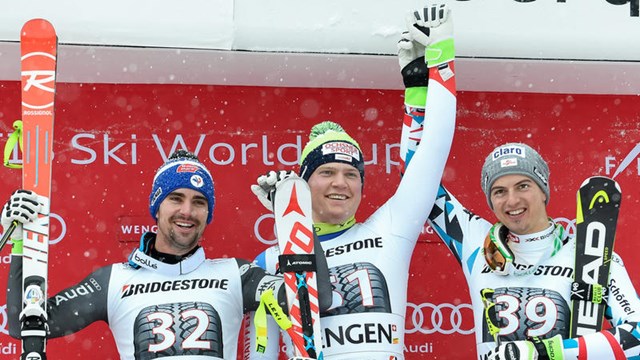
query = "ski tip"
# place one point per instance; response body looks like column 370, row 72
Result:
column 37, row 27
column 600, row 178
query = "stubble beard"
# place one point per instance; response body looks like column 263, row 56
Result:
column 182, row 245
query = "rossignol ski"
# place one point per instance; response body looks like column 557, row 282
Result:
column 597, row 215
column 294, row 228
column 38, row 45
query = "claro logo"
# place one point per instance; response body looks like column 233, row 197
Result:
column 444, row 318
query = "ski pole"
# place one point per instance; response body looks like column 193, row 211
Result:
column 7, row 234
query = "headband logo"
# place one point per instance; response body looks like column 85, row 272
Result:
column 508, row 162
column 191, row 168
column 196, row 181
column 509, row 150
column 341, row 148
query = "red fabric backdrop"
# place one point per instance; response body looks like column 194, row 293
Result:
column 111, row 138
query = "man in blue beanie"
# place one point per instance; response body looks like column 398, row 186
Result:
column 168, row 300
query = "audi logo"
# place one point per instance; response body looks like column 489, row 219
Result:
column 444, row 318
column 569, row 225
column 3, row 320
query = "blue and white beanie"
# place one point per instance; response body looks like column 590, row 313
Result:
column 182, row 170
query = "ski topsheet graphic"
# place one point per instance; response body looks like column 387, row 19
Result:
column 38, row 45
column 598, row 205
column 294, row 228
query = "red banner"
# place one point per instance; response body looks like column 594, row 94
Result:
column 110, row 139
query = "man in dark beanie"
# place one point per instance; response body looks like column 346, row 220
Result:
column 369, row 261
column 168, row 300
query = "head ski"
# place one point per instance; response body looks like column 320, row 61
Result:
column 597, row 215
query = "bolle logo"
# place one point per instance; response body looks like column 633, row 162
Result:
column 39, row 83
column 509, row 150
column 145, row 262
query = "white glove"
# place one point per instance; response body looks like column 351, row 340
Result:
column 431, row 25
column 22, row 207
column 267, row 184
column 536, row 349
column 408, row 50
column 514, row 350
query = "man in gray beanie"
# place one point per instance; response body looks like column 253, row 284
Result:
column 514, row 158
column 519, row 270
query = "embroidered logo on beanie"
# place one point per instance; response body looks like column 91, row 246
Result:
column 182, row 170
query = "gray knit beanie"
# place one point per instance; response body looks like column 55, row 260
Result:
column 514, row 158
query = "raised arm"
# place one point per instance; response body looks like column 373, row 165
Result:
column 429, row 40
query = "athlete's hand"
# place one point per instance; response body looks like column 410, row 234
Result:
column 266, row 185
column 431, row 24
column 514, row 350
column 22, row 207
column 409, row 50
column 536, row 349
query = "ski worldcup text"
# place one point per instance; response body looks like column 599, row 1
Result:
column 90, row 148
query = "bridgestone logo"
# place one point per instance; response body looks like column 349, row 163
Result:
column 175, row 285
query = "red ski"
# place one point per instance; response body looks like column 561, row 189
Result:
column 38, row 44
column 294, row 228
